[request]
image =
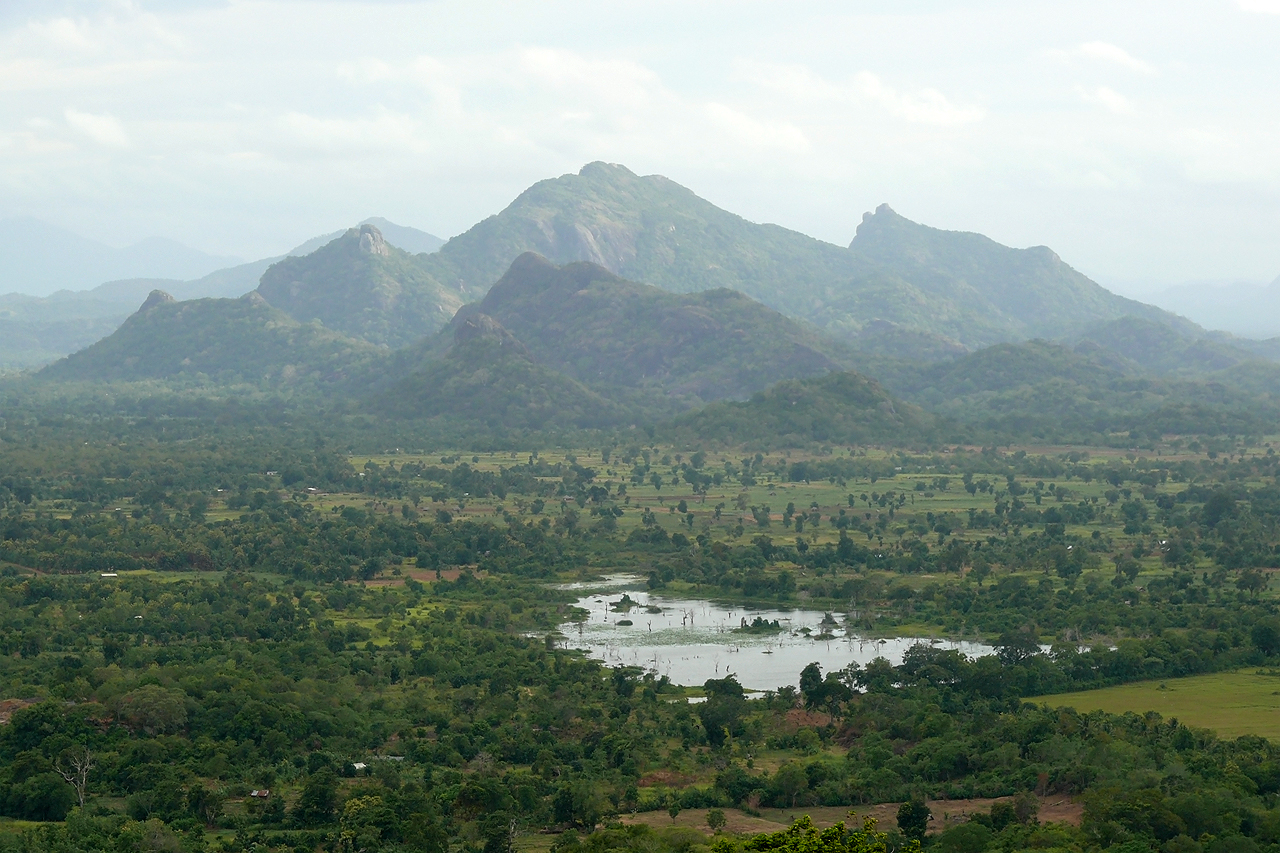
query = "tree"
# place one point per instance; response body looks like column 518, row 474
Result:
column 41, row 797
column 716, row 820
column 811, row 683
column 499, row 833
column 721, row 714
column 318, row 799
column 790, row 781
column 913, row 819
column 73, row 766
column 578, row 803
column 206, row 804
column 1014, row 647
column 154, row 709
column 673, row 810
column 1266, row 636
column 1252, row 582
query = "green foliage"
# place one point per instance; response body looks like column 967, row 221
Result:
column 376, row 642
column 913, row 819
column 842, row 408
column 1049, row 391
column 803, row 837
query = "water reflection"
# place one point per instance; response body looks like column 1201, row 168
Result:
column 692, row 640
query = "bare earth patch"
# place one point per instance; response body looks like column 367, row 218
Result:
column 8, row 706
column 945, row 813
column 799, row 718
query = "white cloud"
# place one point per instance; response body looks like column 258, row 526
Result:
column 926, row 106
column 65, row 33
column 922, row 106
column 747, row 131
column 1268, row 7
column 1108, row 52
column 384, row 132
column 102, row 129
column 609, row 83
column 1107, row 98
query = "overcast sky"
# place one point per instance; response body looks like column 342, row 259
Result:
column 1140, row 140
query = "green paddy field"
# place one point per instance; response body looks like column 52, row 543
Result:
column 1245, row 702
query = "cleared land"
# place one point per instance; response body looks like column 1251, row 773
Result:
column 944, row 813
column 1246, row 702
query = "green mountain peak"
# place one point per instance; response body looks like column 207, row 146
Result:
column 362, row 286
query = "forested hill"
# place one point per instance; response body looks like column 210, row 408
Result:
column 1160, row 349
column 990, row 292
column 219, row 341
column 614, row 334
column 842, row 408
column 938, row 289
column 648, row 229
column 362, row 286
column 488, row 378
column 1052, row 391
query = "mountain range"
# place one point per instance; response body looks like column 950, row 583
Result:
column 899, row 288
column 605, row 299
column 943, row 289
column 36, row 330
column 37, row 259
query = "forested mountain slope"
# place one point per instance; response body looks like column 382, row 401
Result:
column 219, row 341
column 1164, row 350
column 842, row 408
column 487, row 377
column 361, row 285
column 614, row 334
column 1049, row 390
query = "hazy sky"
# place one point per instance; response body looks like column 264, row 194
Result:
column 1141, row 140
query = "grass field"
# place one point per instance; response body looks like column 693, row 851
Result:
column 1246, row 702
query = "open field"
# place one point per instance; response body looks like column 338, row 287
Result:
column 945, row 813
column 1246, row 702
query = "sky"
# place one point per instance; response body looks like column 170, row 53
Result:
column 1139, row 140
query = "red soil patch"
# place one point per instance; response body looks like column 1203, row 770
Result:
column 800, row 718
column 422, row 575
column 8, row 706
column 668, row 778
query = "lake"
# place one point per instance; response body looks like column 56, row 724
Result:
column 692, row 640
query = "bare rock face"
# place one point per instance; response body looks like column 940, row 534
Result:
column 254, row 298
column 156, row 297
column 371, row 241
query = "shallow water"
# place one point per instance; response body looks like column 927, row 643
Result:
column 692, row 640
